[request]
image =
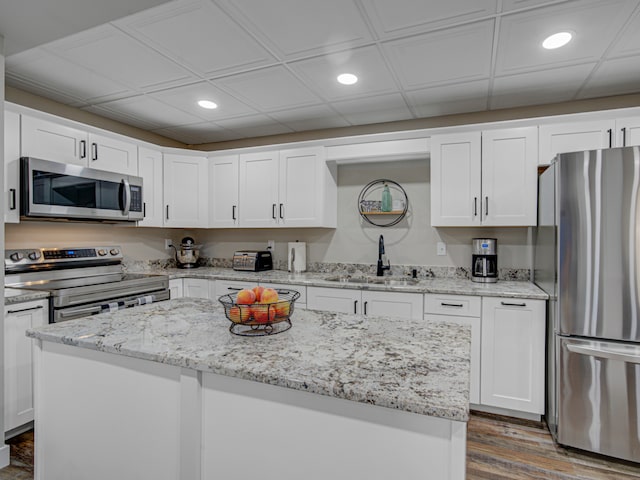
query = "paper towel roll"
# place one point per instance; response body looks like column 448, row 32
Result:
column 297, row 253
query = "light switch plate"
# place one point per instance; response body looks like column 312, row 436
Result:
column 441, row 248
column 271, row 245
column 167, row 243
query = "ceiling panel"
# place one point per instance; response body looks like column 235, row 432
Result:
column 450, row 99
column 521, row 35
column 310, row 118
column 534, row 88
column 300, row 28
column 271, row 88
column 629, row 41
column 193, row 35
column 56, row 74
column 614, row 77
column 111, row 53
column 384, row 108
column 254, row 124
column 392, row 18
column 186, row 99
column 320, row 73
column 457, row 54
column 510, row 5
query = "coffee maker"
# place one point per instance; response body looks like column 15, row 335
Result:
column 484, row 260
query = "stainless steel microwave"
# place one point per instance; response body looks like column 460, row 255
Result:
column 72, row 192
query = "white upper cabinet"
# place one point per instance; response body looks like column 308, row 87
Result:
column 185, row 191
column 53, row 141
column 11, row 167
column 628, row 132
column 224, row 191
column 509, row 177
column 113, row 155
column 455, row 179
column 259, row 189
column 150, row 169
column 307, row 189
column 486, row 178
column 574, row 137
column 287, row 188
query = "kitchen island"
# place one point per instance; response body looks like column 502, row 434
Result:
column 165, row 391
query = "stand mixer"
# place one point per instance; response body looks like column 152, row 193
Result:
column 187, row 254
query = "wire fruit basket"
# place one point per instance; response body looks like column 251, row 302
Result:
column 258, row 319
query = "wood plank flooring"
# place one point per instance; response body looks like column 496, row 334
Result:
column 498, row 448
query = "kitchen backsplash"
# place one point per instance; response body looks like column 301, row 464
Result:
column 355, row 269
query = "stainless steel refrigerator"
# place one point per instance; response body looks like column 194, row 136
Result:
column 587, row 258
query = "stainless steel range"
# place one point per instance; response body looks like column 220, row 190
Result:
column 82, row 281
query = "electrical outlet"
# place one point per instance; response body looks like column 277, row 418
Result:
column 441, row 248
column 168, row 243
column 271, row 245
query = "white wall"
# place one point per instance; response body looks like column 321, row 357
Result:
column 411, row 242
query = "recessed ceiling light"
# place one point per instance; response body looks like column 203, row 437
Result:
column 207, row 104
column 557, row 40
column 347, row 78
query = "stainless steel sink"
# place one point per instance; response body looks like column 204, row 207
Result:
column 391, row 281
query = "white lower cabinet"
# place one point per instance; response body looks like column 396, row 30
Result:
column 195, row 287
column 18, row 361
column 393, row 304
column 225, row 287
column 513, row 360
column 301, row 302
column 463, row 310
column 175, row 288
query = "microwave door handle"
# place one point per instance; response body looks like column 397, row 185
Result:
column 127, row 197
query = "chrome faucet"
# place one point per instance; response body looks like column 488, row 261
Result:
column 381, row 268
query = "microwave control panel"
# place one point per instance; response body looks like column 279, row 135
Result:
column 136, row 198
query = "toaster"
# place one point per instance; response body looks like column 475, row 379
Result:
column 252, row 260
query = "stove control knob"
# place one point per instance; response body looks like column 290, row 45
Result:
column 114, row 251
column 16, row 256
column 102, row 253
column 34, row 255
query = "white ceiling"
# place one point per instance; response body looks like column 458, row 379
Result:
column 271, row 64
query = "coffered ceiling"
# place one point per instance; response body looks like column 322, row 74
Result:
column 271, row 65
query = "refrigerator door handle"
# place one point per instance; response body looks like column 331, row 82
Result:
column 604, row 353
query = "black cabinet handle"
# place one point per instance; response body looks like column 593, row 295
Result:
column 610, row 132
column 624, row 137
column 83, row 149
column 144, row 209
column 355, row 306
column 235, row 289
column 94, row 151
column 281, row 213
column 475, row 206
column 273, row 211
column 167, row 212
column 486, row 206
column 510, row 304
column 365, row 307
column 12, row 204
column 457, row 305
column 25, row 309
column 233, row 212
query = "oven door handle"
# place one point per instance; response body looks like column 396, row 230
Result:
column 73, row 312
column 127, row 196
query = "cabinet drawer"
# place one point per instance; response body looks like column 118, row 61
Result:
column 460, row 305
column 225, row 287
column 287, row 286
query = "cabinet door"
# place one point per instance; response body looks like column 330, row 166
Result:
column 175, row 288
column 574, row 137
column 185, row 191
column 223, row 184
column 301, row 187
column 11, row 167
column 113, row 155
column 509, row 177
column 53, row 141
column 150, row 169
column 195, row 287
column 259, row 189
column 393, row 304
column 18, row 361
column 513, row 359
column 474, row 323
column 301, row 289
column 455, row 179
column 334, row 300
column 628, row 132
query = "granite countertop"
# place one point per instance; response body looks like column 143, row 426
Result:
column 396, row 363
column 454, row 286
column 18, row 295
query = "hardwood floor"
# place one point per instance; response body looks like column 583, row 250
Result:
column 501, row 448
column 498, row 448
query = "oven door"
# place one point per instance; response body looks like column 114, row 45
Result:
column 58, row 190
column 95, row 308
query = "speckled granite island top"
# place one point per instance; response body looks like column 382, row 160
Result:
column 396, row 363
